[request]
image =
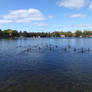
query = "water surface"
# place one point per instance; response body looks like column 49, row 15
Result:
column 44, row 65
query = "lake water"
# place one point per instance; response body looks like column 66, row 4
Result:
column 46, row 65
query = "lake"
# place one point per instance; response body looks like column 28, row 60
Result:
column 46, row 65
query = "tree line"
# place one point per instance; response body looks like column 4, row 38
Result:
column 14, row 33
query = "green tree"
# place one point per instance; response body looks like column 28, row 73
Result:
column 25, row 34
column 78, row 33
column 0, row 33
column 68, row 34
column 87, row 33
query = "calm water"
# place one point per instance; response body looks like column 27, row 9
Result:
column 44, row 65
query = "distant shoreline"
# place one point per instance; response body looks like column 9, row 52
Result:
column 43, row 37
column 14, row 34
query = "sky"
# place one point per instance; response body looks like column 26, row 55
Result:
column 46, row 15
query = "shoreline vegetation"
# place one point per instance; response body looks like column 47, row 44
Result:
column 14, row 33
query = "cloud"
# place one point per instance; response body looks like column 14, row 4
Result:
column 72, row 3
column 23, row 15
column 78, row 15
column 90, row 6
column 40, row 24
column 50, row 17
column 5, row 21
column 74, row 26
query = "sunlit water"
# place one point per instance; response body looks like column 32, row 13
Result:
column 44, row 65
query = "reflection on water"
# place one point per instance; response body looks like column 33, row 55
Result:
column 46, row 65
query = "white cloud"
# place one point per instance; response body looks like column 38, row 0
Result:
column 79, row 15
column 40, row 24
column 5, row 21
column 75, row 26
column 72, row 3
column 50, row 17
column 23, row 15
column 90, row 6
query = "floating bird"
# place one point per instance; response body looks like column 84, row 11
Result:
column 50, row 48
column 75, row 49
column 69, row 46
column 88, row 49
column 20, row 46
column 82, row 50
column 56, row 46
column 39, row 48
column 27, row 50
column 65, row 49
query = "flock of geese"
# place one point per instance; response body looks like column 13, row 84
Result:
column 52, row 48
